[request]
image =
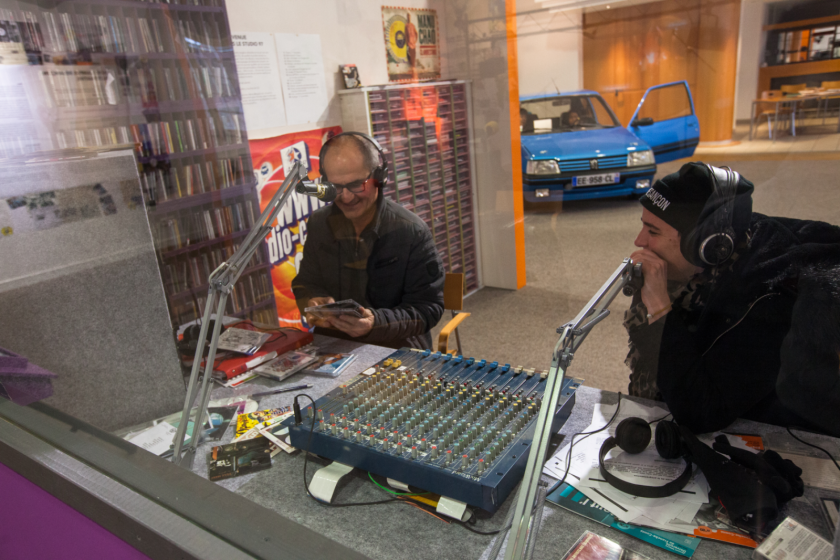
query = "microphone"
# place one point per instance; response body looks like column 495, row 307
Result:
column 322, row 191
column 637, row 280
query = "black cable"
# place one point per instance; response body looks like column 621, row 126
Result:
column 812, row 445
column 306, row 462
column 658, row 419
column 586, row 435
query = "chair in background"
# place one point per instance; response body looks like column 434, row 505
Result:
column 792, row 88
column 453, row 300
column 769, row 110
column 828, row 98
column 804, row 106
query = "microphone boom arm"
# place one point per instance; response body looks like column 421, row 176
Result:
column 625, row 278
column 221, row 283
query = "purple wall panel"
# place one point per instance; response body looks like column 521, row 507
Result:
column 35, row 524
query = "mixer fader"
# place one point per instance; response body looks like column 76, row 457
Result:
column 454, row 426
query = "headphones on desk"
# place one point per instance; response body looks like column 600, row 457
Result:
column 712, row 241
column 633, row 436
column 380, row 172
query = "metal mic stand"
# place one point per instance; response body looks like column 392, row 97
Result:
column 221, row 282
column 627, row 278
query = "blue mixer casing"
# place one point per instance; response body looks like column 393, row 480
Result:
column 455, row 426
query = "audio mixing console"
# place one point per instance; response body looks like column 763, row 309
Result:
column 455, row 426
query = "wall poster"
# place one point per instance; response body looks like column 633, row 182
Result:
column 273, row 158
column 411, row 44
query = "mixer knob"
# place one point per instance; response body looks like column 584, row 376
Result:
column 471, row 453
column 385, row 445
column 434, row 452
column 481, row 466
column 322, row 425
column 457, row 447
column 448, row 460
column 465, row 462
column 408, row 439
column 333, row 430
column 320, row 414
column 345, row 433
column 435, row 433
column 423, row 444
column 372, row 440
column 400, row 448
column 358, row 437
column 381, row 433
column 413, row 452
column 356, row 424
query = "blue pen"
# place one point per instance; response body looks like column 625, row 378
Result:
column 282, row 390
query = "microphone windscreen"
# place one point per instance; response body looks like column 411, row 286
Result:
column 329, row 193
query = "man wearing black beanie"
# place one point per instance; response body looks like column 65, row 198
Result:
column 755, row 336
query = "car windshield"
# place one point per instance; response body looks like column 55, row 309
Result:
column 564, row 114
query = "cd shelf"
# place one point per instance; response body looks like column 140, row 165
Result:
column 160, row 77
column 423, row 130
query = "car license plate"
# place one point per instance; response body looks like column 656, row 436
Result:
column 601, row 179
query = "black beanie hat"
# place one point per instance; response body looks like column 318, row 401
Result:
column 679, row 200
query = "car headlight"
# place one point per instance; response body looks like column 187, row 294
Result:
column 542, row 167
column 637, row 159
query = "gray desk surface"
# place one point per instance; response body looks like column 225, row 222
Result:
column 395, row 529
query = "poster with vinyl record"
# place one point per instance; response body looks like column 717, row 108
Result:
column 412, row 47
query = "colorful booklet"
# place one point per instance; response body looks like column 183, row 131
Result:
column 567, row 497
column 331, row 365
column 595, row 547
column 286, row 365
column 246, row 422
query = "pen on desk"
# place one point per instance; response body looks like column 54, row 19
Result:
column 282, row 390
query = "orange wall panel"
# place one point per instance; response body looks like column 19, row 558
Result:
column 627, row 50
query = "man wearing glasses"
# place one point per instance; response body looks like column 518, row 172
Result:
column 370, row 249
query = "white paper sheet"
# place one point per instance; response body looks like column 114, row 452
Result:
column 259, row 80
column 302, row 72
column 156, row 439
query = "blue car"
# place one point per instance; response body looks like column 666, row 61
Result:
column 573, row 146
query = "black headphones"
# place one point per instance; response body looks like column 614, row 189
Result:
column 380, row 172
column 633, row 436
column 712, row 241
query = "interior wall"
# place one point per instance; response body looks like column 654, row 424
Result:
column 473, row 35
column 550, row 47
column 627, row 50
column 351, row 33
column 750, row 53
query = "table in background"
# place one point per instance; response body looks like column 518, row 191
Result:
column 392, row 530
column 793, row 101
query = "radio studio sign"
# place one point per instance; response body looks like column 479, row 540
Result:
column 411, row 44
column 273, row 159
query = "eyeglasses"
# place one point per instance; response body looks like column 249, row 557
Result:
column 355, row 187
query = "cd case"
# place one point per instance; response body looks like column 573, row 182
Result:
column 242, row 341
column 591, row 546
column 286, row 365
column 331, row 365
column 343, row 307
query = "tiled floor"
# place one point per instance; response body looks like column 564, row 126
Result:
column 821, row 141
